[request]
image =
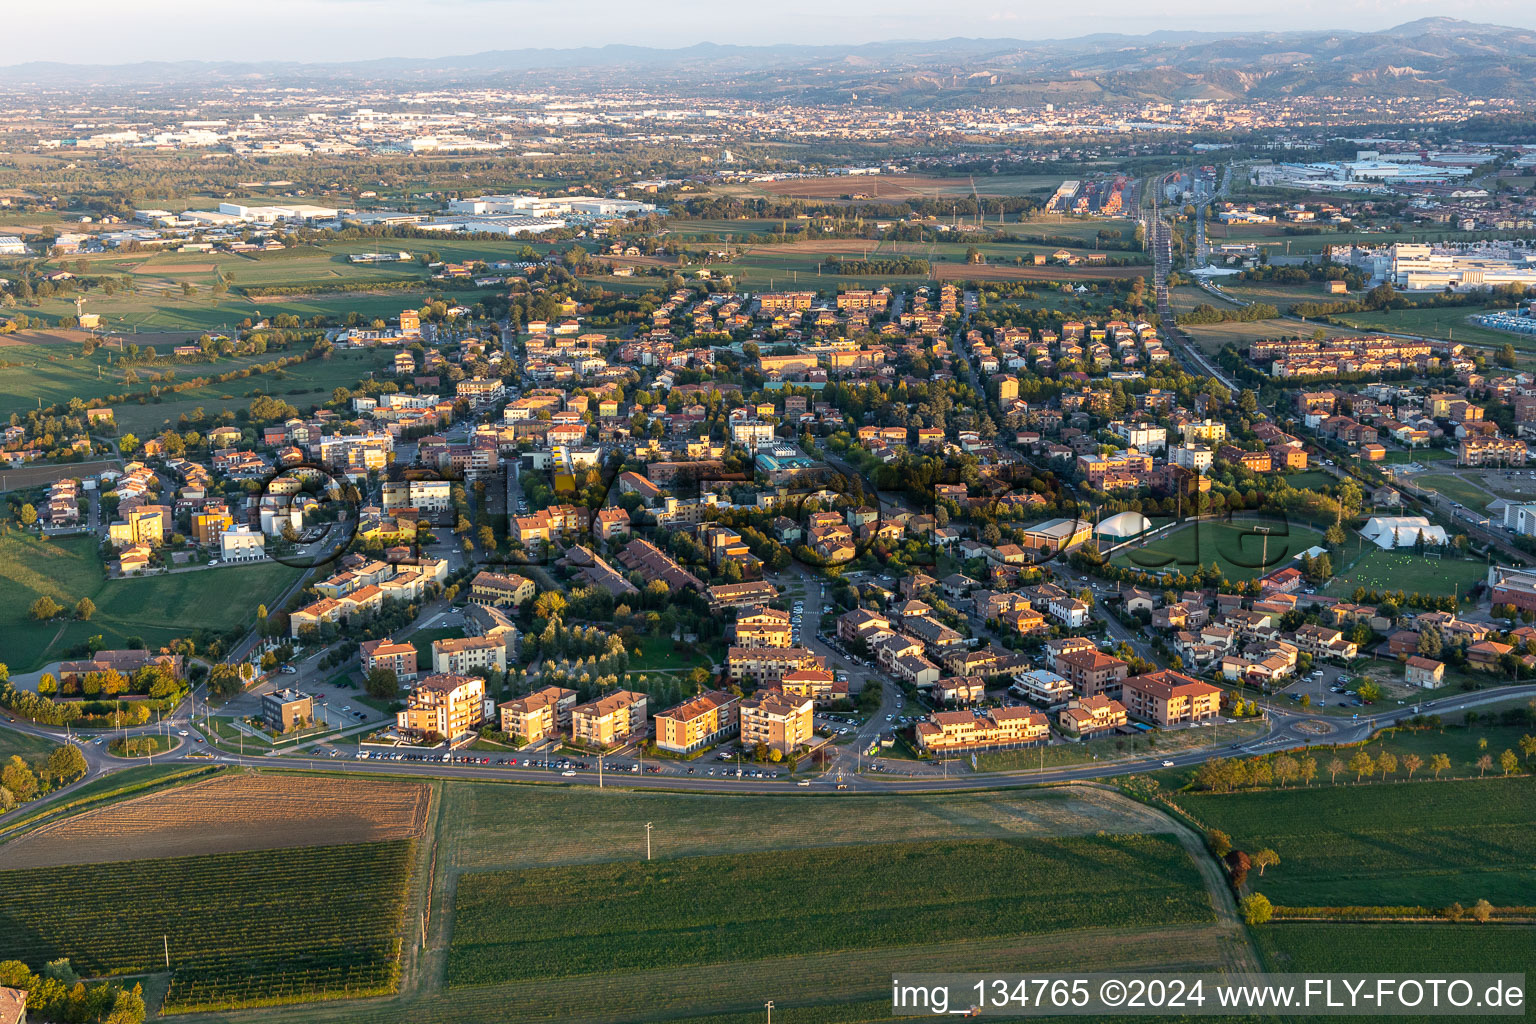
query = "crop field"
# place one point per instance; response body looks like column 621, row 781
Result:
column 247, row 929
column 539, row 922
column 1408, row 572
column 1422, row 843
column 227, row 813
column 1211, row 337
column 69, row 568
column 1236, row 546
column 1000, row 272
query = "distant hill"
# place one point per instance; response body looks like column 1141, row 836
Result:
column 1430, row 58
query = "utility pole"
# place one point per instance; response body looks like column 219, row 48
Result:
column 167, row 939
column 769, row 1004
column 647, row 840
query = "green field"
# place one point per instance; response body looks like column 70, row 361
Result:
column 540, row 922
column 31, row 748
column 156, row 609
column 1240, row 551
column 1408, row 572
column 247, row 929
column 1422, row 843
column 302, row 385
column 1311, row 480
column 1450, row 322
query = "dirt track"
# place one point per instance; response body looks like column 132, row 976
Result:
column 995, row 272
column 229, row 813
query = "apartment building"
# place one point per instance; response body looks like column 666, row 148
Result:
column 1490, row 451
column 765, row 666
column 1166, row 698
column 969, row 731
column 1092, row 716
column 287, row 709
column 818, row 684
column 462, row 655
column 445, row 705
column 777, row 720
column 397, row 657
column 540, row 715
column 613, row 719
column 698, row 723
column 1092, row 672
column 500, row 590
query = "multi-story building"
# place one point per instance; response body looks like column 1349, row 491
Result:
column 541, row 714
column 615, row 718
column 444, row 705
column 765, row 666
column 1166, row 698
column 500, row 589
column 816, row 683
column 777, row 720
column 397, row 657
column 1490, row 451
column 1092, row 715
column 287, row 709
column 701, row 722
column 998, row 729
column 1092, row 672
column 242, row 544
column 462, row 655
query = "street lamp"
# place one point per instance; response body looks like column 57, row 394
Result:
column 647, row 840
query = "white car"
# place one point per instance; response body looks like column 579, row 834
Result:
column 1167, row 764
column 567, row 774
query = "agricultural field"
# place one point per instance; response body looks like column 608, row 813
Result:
column 1211, row 337
column 246, row 929
column 534, row 923
column 1421, row 843
column 228, row 813
column 1236, row 546
column 156, row 609
column 890, row 187
column 1403, row 570
column 27, row 746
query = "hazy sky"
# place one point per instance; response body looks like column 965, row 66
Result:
column 114, row 31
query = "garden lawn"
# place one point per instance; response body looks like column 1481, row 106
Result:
column 1457, row 489
column 1234, row 545
column 738, row 908
column 1422, row 843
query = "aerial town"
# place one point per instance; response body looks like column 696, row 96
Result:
column 454, row 518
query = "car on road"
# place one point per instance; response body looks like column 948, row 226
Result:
column 1167, row 764
column 567, row 773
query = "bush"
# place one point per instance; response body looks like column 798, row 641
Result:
column 1256, row 909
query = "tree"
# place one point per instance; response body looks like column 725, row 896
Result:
column 1256, row 909
column 1219, row 842
column 27, row 515
column 84, row 609
column 1265, row 858
column 1411, row 764
column 45, row 608
column 1483, row 764
column 224, row 680
column 1481, row 911
column 18, row 778
column 1387, row 763
column 1362, row 765
column 1439, row 763
column 1334, row 767
column 1528, row 746
column 1509, row 762
column 1308, row 766
column 1370, row 692
column 66, row 763
column 550, row 605
column 383, row 684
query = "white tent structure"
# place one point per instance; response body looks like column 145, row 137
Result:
column 1388, row 532
column 1123, row 526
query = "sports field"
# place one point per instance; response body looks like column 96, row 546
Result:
column 155, row 609
column 1240, row 547
column 1423, row 843
column 1457, row 489
column 1408, row 572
